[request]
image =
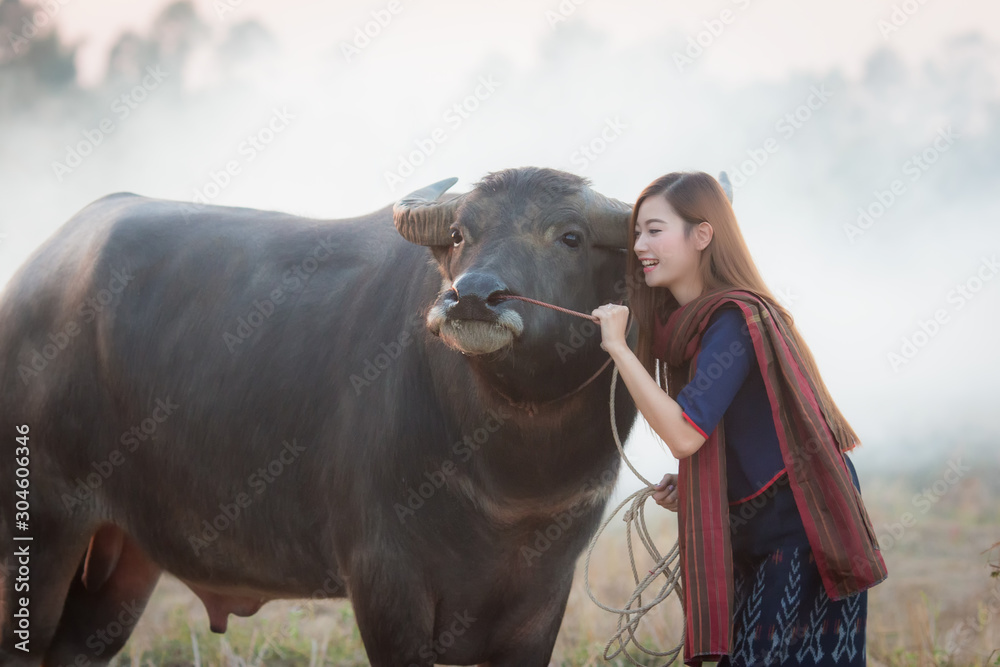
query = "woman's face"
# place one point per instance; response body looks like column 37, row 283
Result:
column 659, row 236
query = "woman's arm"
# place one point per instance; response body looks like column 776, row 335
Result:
column 663, row 413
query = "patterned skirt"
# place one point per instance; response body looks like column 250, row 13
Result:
column 782, row 614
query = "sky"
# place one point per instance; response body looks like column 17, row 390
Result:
column 815, row 109
column 767, row 39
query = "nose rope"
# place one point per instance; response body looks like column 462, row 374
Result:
column 503, row 297
column 549, row 305
column 532, row 406
column 666, row 566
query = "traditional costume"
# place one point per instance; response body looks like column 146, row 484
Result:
column 776, row 546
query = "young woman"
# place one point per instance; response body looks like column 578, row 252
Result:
column 777, row 551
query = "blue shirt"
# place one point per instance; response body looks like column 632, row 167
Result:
column 728, row 386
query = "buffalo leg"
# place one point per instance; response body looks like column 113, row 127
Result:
column 96, row 623
column 529, row 643
column 395, row 615
column 39, row 571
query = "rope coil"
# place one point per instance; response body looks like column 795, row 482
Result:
column 667, row 565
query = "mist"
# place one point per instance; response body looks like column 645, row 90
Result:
column 867, row 194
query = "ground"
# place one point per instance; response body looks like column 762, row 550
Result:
column 939, row 606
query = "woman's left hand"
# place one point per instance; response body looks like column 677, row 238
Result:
column 665, row 493
column 613, row 318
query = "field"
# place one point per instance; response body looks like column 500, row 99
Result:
column 939, row 606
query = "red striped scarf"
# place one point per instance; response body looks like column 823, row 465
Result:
column 836, row 523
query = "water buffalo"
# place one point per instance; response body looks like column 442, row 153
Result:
column 269, row 406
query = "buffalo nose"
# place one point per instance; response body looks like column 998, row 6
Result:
column 473, row 296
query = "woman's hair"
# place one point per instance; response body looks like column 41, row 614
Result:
column 725, row 262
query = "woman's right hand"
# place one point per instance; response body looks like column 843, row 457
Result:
column 666, row 492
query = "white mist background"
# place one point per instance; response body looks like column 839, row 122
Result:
column 558, row 85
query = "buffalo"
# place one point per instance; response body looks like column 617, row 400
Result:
column 271, row 406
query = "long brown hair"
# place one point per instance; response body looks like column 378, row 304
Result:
column 725, row 262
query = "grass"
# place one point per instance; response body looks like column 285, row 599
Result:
column 940, row 605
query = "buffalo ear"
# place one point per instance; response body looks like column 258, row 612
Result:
column 609, row 220
column 727, row 187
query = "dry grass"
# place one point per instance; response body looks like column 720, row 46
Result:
column 939, row 606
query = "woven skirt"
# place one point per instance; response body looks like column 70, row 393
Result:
column 782, row 614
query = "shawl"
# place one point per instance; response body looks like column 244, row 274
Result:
column 836, row 523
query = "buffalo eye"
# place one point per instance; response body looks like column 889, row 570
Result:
column 572, row 239
column 456, row 237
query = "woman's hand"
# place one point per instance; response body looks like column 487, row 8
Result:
column 666, row 492
column 613, row 318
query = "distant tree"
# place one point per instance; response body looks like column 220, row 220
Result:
column 176, row 32
column 129, row 56
column 33, row 60
column 248, row 51
column 246, row 40
column 884, row 68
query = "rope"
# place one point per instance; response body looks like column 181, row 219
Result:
column 592, row 318
column 667, row 565
column 629, row 616
column 533, row 406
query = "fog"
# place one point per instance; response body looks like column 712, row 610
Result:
column 863, row 141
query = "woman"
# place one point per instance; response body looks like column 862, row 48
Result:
column 777, row 551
